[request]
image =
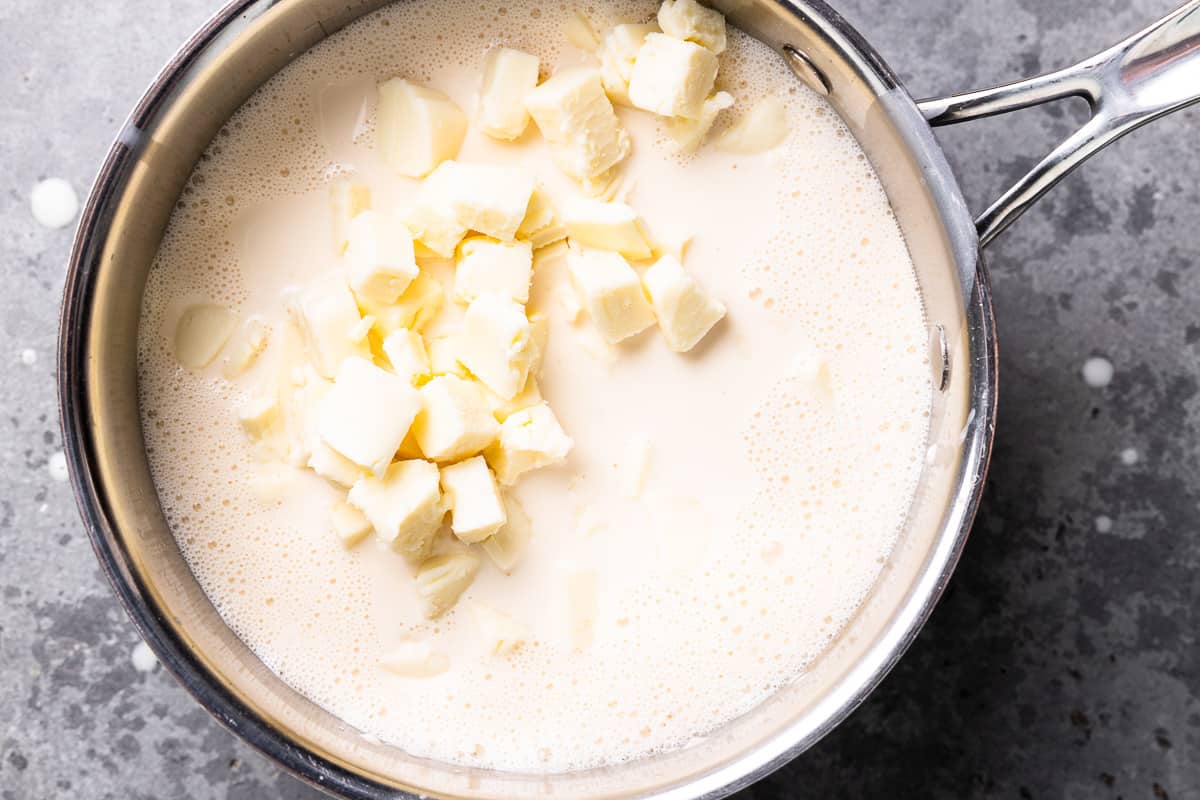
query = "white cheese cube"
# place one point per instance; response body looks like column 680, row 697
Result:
column 505, row 546
column 687, row 19
column 508, row 75
column 541, row 227
column 580, row 34
column 688, row 134
column 489, row 199
column 259, row 416
column 300, row 407
column 379, row 257
column 249, row 346
column 611, row 292
column 443, row 357
column 200, row 334
column 350, row 524
column 764, row 126
column 685, row 311
column 417, row 128
column 332, row 465
column 455, row 420
column 367, row 413
column 501, row 634
column 413, row 310
column 486, row 266
column 348, row 198
column 405, row 350
column 327, row 313
column 441, row 580
column 672, row 77
column 607, row 226
column 415, row 659
column 529, row 439
column 404, row 506
column 531, row 395
column 617, row 56
column 431, row 218
column 473, row 499
column 539, row 337
column 493, row 344
column 578, row 122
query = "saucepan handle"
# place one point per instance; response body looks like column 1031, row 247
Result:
column 1150, row 74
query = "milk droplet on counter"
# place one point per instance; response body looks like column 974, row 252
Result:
column 58, row 466
column 143, row 658
column 1097, row 372
column 1129, row 456
column 1104, row 524
column 28, row 356
column 54, row 203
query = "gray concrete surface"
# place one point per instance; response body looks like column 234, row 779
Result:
column 1063, row 662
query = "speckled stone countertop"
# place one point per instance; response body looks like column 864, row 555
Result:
column 1063, row 661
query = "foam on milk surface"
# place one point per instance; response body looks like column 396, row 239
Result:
column 767, row 510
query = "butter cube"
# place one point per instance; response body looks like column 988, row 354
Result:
column 415, row 659
column 764, row 126
column 404, row 506
column 577, row 120
column 249, row 346
column 367, row 413
column 607, row 226
column 432, row 218
column 441, row 580
column 327, row 313
column 471, row 495
column 529, row 439
column 531, row 395
column 688, row 134
column 611, row 292
column 685, row 311
column 505, row 546
column 405, row 350
column 455, row 419
column 348, row 198
column 443, row 357
column 617, row 56
column 687, row 19
column 672, row 77
column 421, row 302
column 541, row 227
column 493, row 344
column 580, row 33
column 417, row 128
column 350, row 524
column 489, row 199
column 508, row 75
column 501, row 634
column 486, row 266
column 332, row 465
column 379, row 257
column 300, row 406
column 200, row 334
column 539, row 337
column 259, row 416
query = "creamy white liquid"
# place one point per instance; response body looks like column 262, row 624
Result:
column 767, row 511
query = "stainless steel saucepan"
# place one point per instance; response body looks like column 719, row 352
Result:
column 1150, row 74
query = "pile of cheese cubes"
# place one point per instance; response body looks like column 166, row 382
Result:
column 415, row 426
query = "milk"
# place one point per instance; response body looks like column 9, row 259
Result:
column 723, row 512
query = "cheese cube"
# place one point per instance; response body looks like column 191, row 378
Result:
column 493, row 344
column 489, row 199
column 508, row 75
column 607, row 226
column 259, row 416
column 332, row 465
column 504, row 547
column 580, row 33
column 764, row 126
column 687, row 19
column 300, row 407
column 417, row 128
column 327, row 313
column 367, row 413
column 379, row 257
column 471, row 495
column 431, row 217
column 405, row 350
column 540, row 226
column 441, row 580
column 486, row 266
column 617, row 57
column 500, row 633
column 578, row 122
column 413, row 310
column 529, row 439
column 250, row 345
column 415, row 659
column 688, row 134
column 348, row 198
column 455, row 419
column 611, row 292
column 672, row 77
column 350, row 524
column 404, row 506
column 539, row 337
column 685, row 311
column 200, row 334
column 443, row 357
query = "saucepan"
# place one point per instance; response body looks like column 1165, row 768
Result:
column 1149, row 74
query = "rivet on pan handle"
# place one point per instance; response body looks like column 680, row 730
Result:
column 809, row 75
column 1150, row 74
